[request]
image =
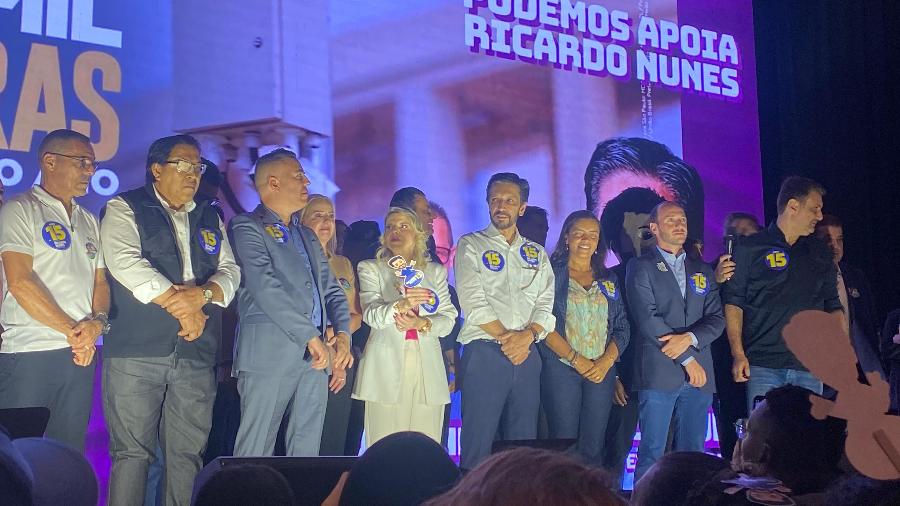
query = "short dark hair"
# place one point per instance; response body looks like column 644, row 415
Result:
column 675, row 477
column 797, row 188
column 654, row 213
column 406, row 197
column 830, row 220
column 728, row 227
column 242, row 484
column 805, row 450
column 509, row 177
column 560, row 254
column 162, row 148
column 54, row 139
column 273, row 156
column 632, row 200
column 645, row 157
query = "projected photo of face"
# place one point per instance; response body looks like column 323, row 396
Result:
column 622, row 164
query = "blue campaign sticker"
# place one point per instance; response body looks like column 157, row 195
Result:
column 345, row 284
column 209, row 240
column 432, row 305
column 56, row 235
column 411, row 276
column 90, row 249
column 699, row 283
column 777, row 259
column 609, row 289
column 531, row 254
column 278, row 232
column 493, row 260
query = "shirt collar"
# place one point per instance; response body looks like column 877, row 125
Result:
column 669, row 257
column 492, row 231
column 48, row 199
column 188, row 207
column 274, row 218
column 776, row 232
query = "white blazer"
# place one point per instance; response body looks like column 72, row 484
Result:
column 381, row 366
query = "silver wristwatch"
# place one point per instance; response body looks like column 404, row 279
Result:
column 103, row 318
column 207, row 296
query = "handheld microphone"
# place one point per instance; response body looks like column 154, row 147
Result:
column 729, row 244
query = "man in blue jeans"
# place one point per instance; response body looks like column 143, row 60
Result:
column 779, row 272
column 674, row 302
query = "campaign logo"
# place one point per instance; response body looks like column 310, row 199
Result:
column 345, row 284
column 493, row 260
column 407, row 272
column 609, row 289
column 278, row 232
column 531, row 254
column 209, row 240
column 699, row 283
column 432, row 305
column 90, row 249
column 56, row 235
column 777, row 259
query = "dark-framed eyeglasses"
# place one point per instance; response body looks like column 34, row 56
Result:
column 186, row 167
column 85, row 162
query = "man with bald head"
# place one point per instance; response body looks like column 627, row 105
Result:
column 172, row 274
column 287, row 298
column 56, row 300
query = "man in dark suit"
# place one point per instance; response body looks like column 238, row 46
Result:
column 287, row 298
column 675, row 303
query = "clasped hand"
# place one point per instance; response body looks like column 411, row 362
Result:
column 516, row 344
column 186, row 305
column 82, row 337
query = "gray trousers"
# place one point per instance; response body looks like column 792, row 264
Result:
column 50, row 379
column 264, row 400
column 156, row 399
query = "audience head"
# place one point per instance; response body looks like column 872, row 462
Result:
column 403, row 235
column 319, row 216
column 800, row 205
column 281, row 181
column 625, row 222
column 414, row 199
column 67, row 163
column 669, row 225
column 61, row 474
column 831, row 230
column 740, row 224
column 15, row 475
column 361, row 241
column 580, row 237
column 784, row 441
column 531, row 476
column 507, row 197
column 405, row 468
column 174, row 166
column 534, row 225
column 340, row 233
column 242, row 484
column 674, row 476
column 443, row 234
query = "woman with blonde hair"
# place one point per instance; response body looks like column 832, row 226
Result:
column 406, row 302
column 318, row 215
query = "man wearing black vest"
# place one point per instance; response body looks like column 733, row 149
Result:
column 172, row 273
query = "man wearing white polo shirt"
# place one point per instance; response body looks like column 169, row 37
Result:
column 56, row 297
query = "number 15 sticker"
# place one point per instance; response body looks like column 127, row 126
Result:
column 777, row 259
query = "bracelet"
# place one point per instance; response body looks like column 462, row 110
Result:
column 426, row 327
column 572, row 356
column 399, row 303
column 574, row 362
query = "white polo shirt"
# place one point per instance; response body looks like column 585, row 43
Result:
column 66, row 255
column 496, row 280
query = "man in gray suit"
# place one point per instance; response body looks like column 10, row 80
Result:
column 287, row 298
column 675, row 304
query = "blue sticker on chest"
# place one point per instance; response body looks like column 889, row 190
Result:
column 56, row 235
column 531, row 254
column 777, row 259
column 209, row 240
column 493, row 260
column 432, row 305
column 609, row 290
column 699, row 283
column 278, row 232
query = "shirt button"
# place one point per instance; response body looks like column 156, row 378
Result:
column 308, row 284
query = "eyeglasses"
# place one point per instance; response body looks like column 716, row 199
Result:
column 740, row 428
column 84, row 161
column 186, row 167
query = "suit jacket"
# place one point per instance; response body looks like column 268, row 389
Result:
column 275, row 299
column 861, row 306
column 381, row 366
column 658, row 308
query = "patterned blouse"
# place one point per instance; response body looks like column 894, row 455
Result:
column 587, row 317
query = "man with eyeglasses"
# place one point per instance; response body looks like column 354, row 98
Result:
column 56, row 298
column 172, row 274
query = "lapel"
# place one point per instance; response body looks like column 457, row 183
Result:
column 668, row 276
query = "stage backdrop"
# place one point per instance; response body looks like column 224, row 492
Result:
column 377, row 95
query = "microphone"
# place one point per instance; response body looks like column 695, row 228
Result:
column 729, row 243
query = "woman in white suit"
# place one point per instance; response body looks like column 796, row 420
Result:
column 401, row 374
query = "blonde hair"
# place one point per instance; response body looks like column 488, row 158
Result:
column 331, row 246
column 420, row 247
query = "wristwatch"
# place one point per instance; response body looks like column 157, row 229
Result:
column 207, row 296
column 103, row 318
